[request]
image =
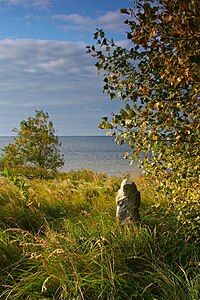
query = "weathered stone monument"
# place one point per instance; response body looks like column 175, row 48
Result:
column 128, row 202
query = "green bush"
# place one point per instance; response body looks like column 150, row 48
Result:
column 36, row 145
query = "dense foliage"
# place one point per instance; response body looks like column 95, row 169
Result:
column 35, row 145
column 157, row 77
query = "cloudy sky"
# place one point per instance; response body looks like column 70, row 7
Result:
column 44, row 65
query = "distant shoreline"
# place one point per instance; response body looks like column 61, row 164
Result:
column 106, row 136
column 95, row 153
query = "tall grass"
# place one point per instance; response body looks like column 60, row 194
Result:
column 63, row 242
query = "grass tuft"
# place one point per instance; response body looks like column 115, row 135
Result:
column 63, row 242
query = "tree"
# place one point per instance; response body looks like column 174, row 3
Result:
column 158, row 80
column 35, row 144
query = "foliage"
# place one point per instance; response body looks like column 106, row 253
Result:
column 157, row 77
column 35, row 144
column 17, row 181
column 71, row 247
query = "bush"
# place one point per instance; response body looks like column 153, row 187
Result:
column 35, row 145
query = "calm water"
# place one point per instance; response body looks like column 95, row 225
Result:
column 99, row 154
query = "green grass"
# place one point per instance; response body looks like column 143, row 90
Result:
column 62, row 241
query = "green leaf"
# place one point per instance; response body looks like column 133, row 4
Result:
column 124, row 11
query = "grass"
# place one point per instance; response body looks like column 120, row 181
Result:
column 61, row 241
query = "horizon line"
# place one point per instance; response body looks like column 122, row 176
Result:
column 12, row 136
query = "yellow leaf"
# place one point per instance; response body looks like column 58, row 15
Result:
column 156, row 105
column 168, row 18
column 130, row 85
column 152, row 33
column 180, row 61
column 155, row 138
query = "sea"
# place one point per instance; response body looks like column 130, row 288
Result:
column 96, row 153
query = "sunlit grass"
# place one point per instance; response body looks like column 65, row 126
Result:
column 63, row 242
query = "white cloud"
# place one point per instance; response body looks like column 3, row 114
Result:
column 13, row 2
column 74, row 18
column 37, row 4
column 41, row 4
column 124, row 44
column 111, row 20
column 42, row 55
column 58, row 77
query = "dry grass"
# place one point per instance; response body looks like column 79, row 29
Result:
column 63, row 242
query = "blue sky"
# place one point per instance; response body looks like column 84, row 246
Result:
column 44, row 65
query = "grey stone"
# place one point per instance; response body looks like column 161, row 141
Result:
column 128, row 202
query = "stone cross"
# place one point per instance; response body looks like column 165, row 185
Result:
column 128, row 202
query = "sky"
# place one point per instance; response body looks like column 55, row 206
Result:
column 44, row 65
